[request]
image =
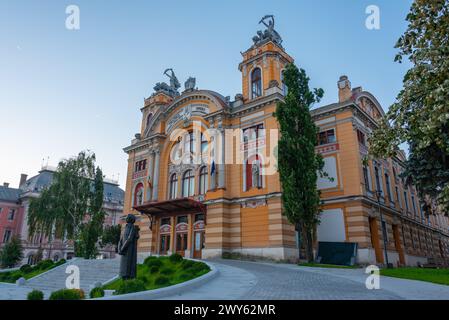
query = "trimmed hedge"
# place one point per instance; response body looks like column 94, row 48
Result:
column 129, row 286
column 67, row 294
column 26, row 268
column 97, row 292
column 161, row 280
column 35, row 295
column 153, row 262
column 154, row 269
column 175, row 258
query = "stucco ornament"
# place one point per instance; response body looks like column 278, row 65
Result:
column 269, row 34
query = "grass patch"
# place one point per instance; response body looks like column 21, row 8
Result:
column 28, row 272
column 440, row 276
column 159, row 272
column 323, row 265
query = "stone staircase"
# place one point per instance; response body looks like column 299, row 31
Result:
column 91, row 272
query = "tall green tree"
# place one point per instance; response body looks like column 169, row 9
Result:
column 71, row 206
column 11, row 253
column 298, row 163
column 420, row 115
column 111, row 236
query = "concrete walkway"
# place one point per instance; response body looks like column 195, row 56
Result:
column 264, row 281
column 90, row 273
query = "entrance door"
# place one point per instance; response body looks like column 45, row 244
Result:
column 374, row 230
column 181, row 243
column 164, row 244
column 198, row 244
column 397, row 243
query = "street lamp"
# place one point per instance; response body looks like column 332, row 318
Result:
column 384, row 230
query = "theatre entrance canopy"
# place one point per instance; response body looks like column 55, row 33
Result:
column 177, row 224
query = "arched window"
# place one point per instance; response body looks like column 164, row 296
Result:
column 189, row 141
column 173, row 186
column 256, row 83
column 149, row 119
column 138, row 195
column 203, row 183
column 204, row 145
column 188, row 184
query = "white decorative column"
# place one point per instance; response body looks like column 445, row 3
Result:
column 151, row 174
column 221, row 166
column 156, row 175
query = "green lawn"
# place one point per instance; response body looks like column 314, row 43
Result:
column 158, row 272
column 322, row 265
column 43, row 266
column 440, row 276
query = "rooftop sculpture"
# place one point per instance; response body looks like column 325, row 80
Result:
column 172, row 89
column 269, row 34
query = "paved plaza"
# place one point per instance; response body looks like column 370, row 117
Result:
column 255, row 280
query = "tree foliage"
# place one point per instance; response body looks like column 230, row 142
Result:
column 71, row 206
column 420, row 115
column 11, row 253
column 298, row 163
column 111, row 235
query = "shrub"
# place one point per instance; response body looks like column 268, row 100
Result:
column 35, row 295
column 26, row 268
column 161, row 280
column 187, row 263
column 154, row 269
column 153, row 262
column 97, row 292
column 167, row 271
column 129, row 286
column 45, row 264
column 67, row 294
column 175, row 258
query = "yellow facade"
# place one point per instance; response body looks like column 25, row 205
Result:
column 242, row 205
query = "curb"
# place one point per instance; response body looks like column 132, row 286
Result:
column 168, row 291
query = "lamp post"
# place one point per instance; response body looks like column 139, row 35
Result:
column 384, row 230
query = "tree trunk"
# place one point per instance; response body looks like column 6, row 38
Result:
column 309, row 245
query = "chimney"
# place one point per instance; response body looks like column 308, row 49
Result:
column 344, row 89
column 23, row 179
column 6, row 184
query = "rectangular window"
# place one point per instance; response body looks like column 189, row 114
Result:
column 11, row 214
column 361, row 137
column 140, row 165
column 398, row 196
column 326, row 137
column 387, row 182
column 378, row 182
column 384, row 230
column 181, row 219
column 406, row 201
column 199, row 217
column 6, row 236
column 413, row 204
column 366, row 178
column 165, row 221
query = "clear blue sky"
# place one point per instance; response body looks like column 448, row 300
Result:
column 64, row 91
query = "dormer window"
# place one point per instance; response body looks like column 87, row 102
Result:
column 256, row 83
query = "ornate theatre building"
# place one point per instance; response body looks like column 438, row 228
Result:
column 202, row 180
